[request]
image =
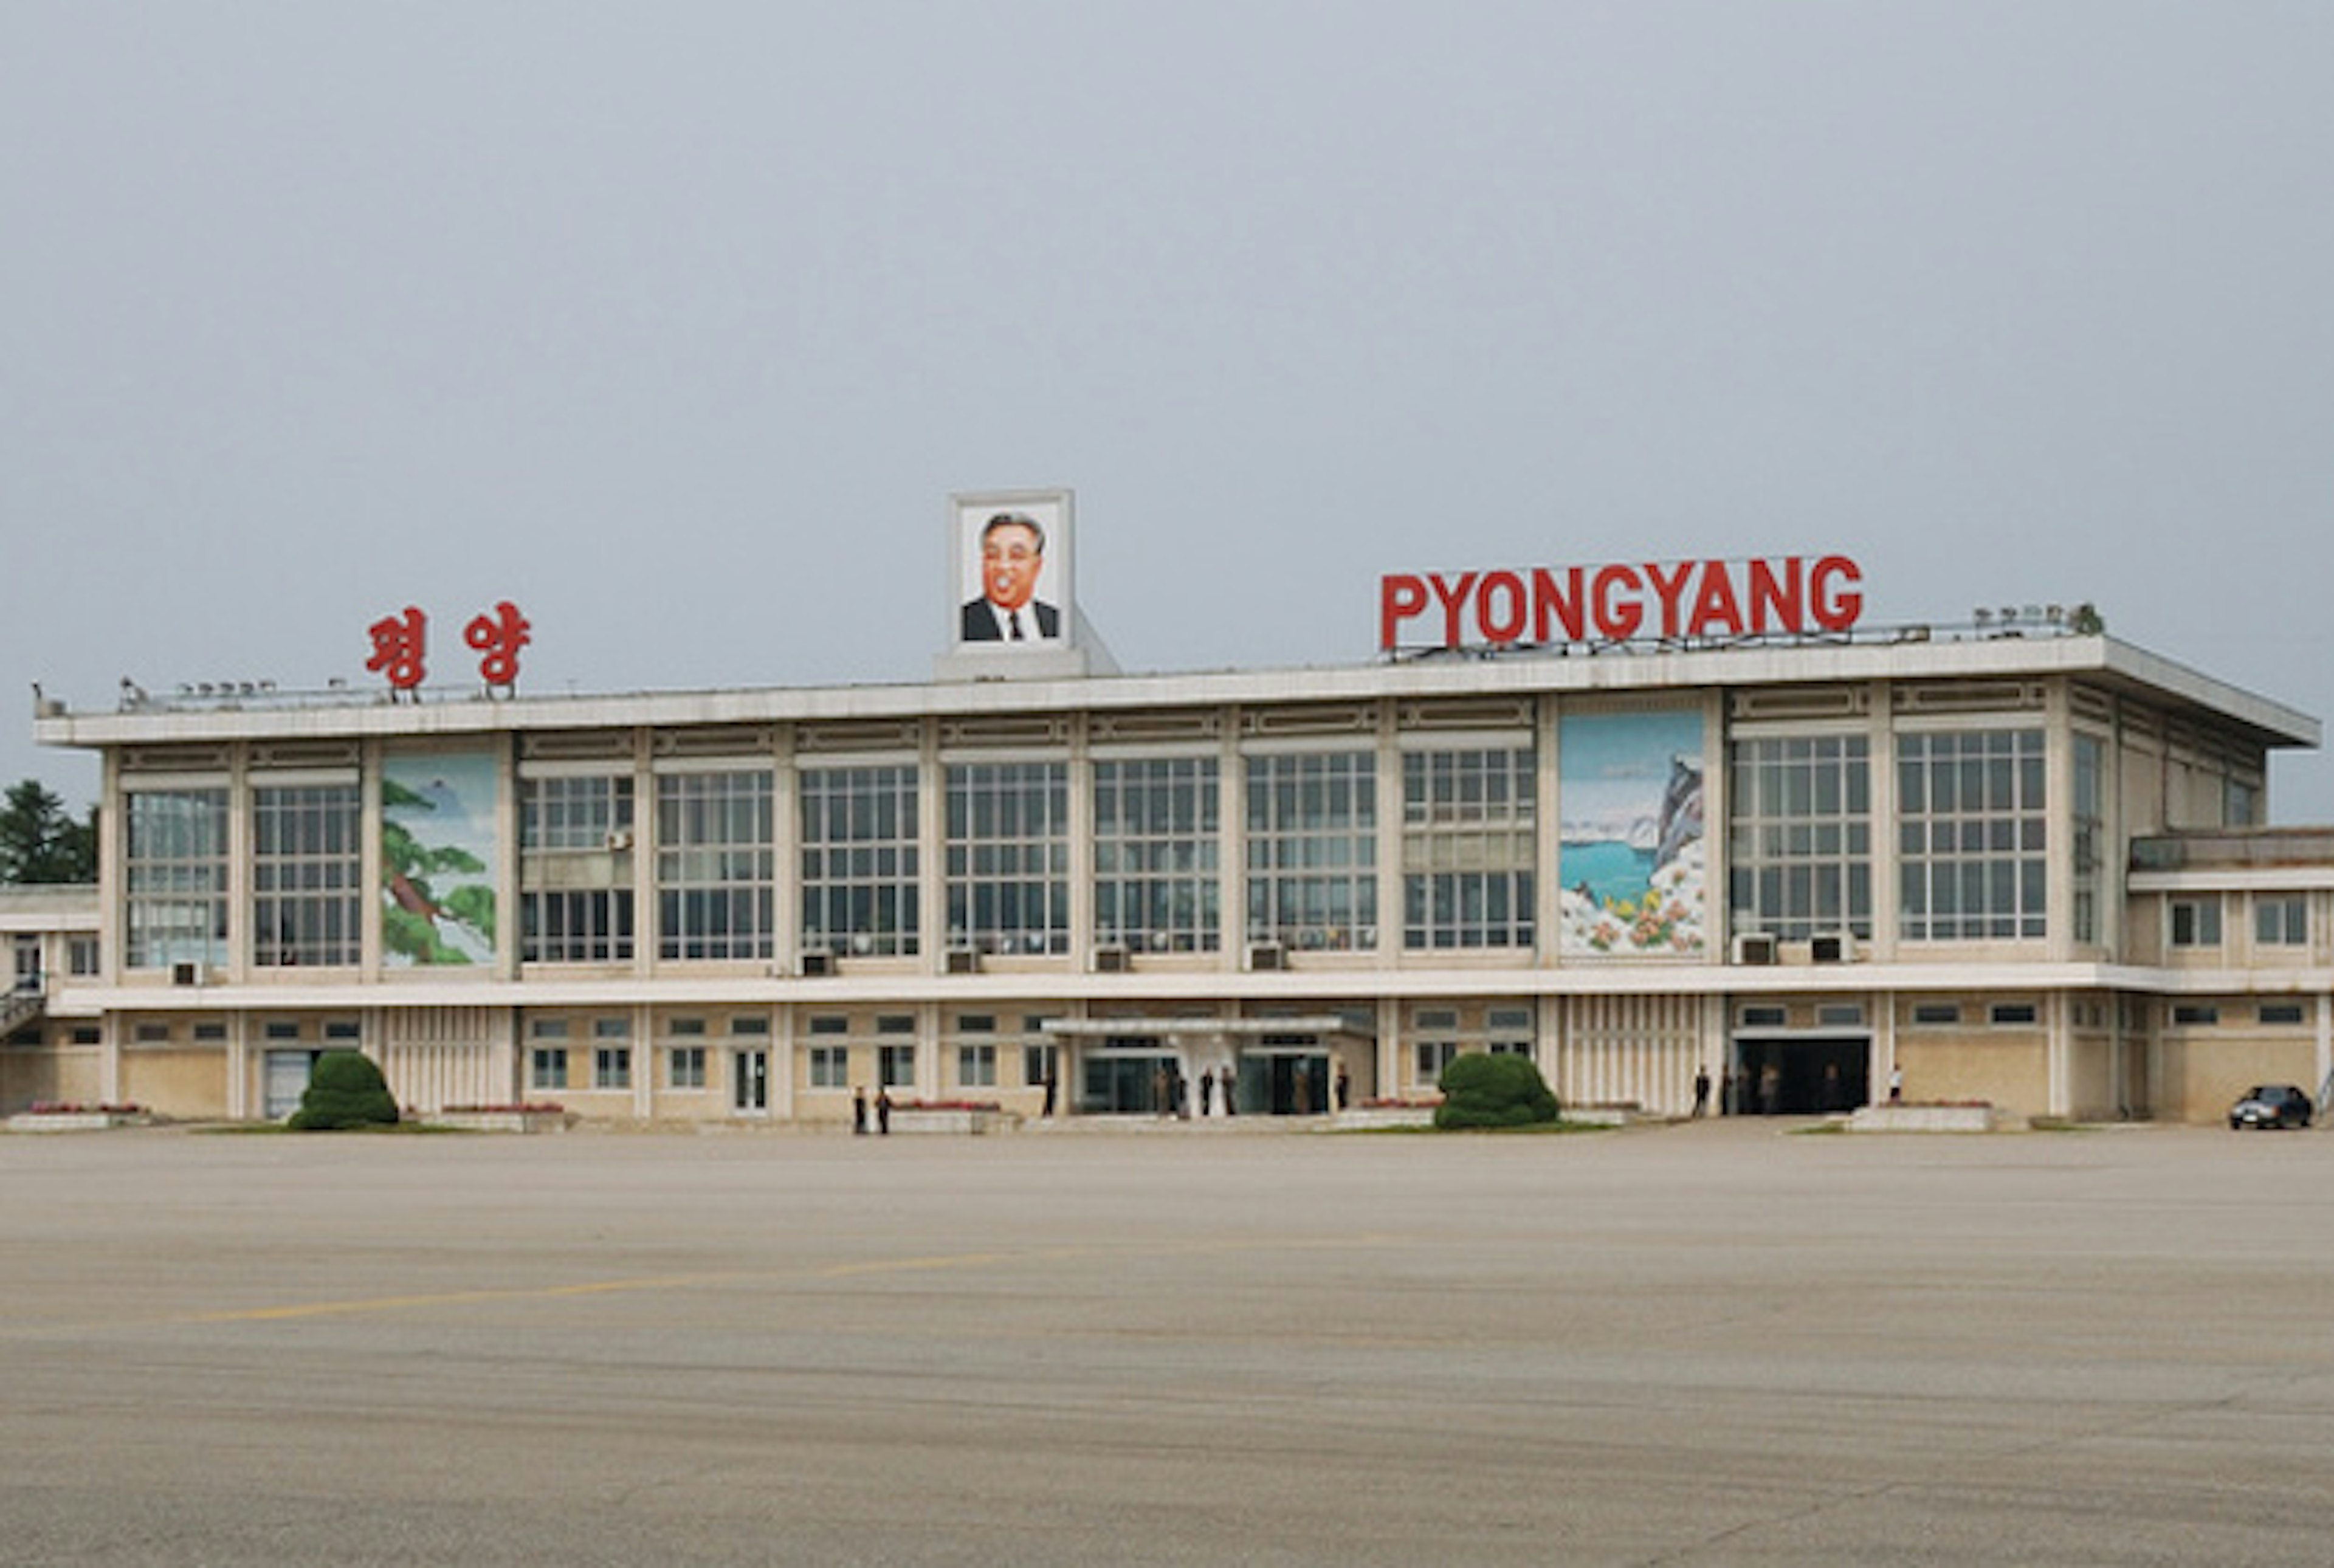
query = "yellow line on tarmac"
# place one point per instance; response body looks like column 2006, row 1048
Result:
column 452, row 1298
column 392, row 1303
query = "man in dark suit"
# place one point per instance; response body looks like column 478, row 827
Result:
column 1012, row 554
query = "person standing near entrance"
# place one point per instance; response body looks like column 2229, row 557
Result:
column 883, row 1112
column 1896, row 1085
column 1701, row 1092
column 1345, row 1086
column 1207, row 1093
column 1053, row 1086
column 859, row 1110
column 1231, row 1081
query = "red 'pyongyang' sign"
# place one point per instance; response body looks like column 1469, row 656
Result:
column 1663, row 599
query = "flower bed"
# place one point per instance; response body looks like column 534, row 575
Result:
column 1388, row 1113
column 523, row 1118
column 1905, row 1116
column 69, row 1116
column 970, row 1116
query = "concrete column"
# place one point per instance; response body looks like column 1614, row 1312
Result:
column 2325, row 1042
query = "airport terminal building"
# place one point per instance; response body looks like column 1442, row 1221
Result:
column 1645, row 823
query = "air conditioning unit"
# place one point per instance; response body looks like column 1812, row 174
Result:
column 1111, row 959
column 1267, row 956
column 814, row 964
column 1754, row 947
column 620, row 840
column 1832, row 948
column 964, row 960
column 187, row 973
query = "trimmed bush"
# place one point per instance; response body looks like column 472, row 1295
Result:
column 1486, row 1091
column 345, row 1090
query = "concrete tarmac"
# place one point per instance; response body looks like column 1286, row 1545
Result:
column 1718, row 1343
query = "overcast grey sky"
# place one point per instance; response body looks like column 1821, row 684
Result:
column 677, row 323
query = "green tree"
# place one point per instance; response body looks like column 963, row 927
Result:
column 345, row 1090
column 40, row 843
column 1480, row 1090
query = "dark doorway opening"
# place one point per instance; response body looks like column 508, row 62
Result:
column 1792, row 1077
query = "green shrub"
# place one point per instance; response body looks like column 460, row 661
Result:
column 1484, row 1091
column 345, row 1090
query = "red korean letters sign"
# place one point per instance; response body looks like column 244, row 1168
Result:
column 1616, row 603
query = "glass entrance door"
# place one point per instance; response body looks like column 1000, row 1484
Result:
column 1127, row 1083
column 749, row 1083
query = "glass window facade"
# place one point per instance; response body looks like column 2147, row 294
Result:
column 1467, row 848
column 1008, row 857
column 306, row 867
column 1799, row 845
column 859, row 859
column 716, row 865
column 1157, row 884
column 2089, row 827
column 1312, row 849
column 175, row 873
column 1972, row 835
column 575, row 870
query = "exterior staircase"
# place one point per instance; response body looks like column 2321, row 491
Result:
column 21, row 1009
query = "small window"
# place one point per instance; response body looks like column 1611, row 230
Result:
column 611, row 1067
column 684, row 1067
column 2196, row 922
column 896, row 1023
column 976, row 1066
column 1438, row 1018
column 80, row 956
column 149, row 1033
column 1765, row 1017
column 897, row 1066
column 281, row 1031
column 830, row 1066
column 1433, row 1057
column 2012, row 1014
column 750, row 1023
column 343, row 1029
column 547, row 1068
column 2276, row 1012
column 829, row 1023
column 210, row 1031
column 1840, row 1014
column 2281, row 922
column 1510, row 1048
column 548, row 1029
column 2194, row 1015
column 976, row 1024
column 612, row 1028
column 1934, row 1014
column 84, row 1034
column 1039, row 1063
column 1512, row 1019
column 685, row 1028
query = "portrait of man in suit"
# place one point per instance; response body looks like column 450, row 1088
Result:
column 1012, row 562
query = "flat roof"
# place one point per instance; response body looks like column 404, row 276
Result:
column 1576, row 671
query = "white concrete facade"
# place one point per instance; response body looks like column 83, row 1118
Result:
column 2071, row 1013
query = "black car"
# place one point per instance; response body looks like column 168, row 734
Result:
column 2270, row 1105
